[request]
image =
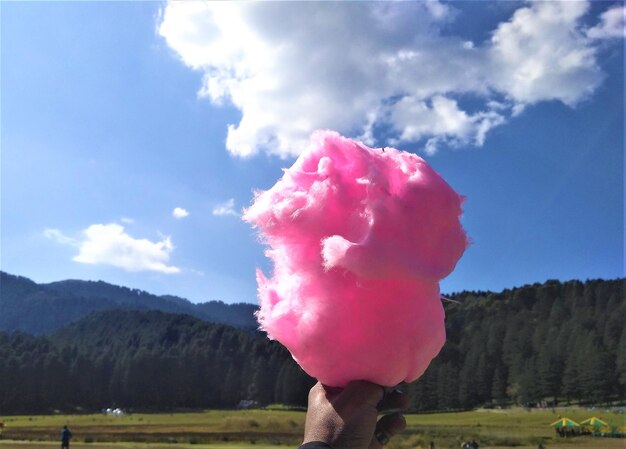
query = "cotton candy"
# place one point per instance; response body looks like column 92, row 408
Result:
column 359, row 238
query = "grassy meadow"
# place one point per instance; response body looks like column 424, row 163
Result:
column 270, row 429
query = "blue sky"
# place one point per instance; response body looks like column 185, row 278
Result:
column 114, row 114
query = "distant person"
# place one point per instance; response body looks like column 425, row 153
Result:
column 431, row 445
column 541, row 446
column 66, row 436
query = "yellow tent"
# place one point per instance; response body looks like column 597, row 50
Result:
column 594, row 422
column 565, row 422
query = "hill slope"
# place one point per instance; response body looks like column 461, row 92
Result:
column 543, row 342
column 42, row 308
column 144, row 359
column 556, row 341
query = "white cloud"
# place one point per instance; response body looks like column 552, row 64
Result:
column 293, row 67
column 226, row 208
column 57, row 235
column 127, row 220
column 108, row 244
column 444, row 119
column 543, row 54
column 179, row 213
column 612, row 24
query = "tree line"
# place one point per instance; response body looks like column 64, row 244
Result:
column 144, row 360
column 554, row 342
column 557, row 342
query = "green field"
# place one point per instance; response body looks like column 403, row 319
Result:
column 268, row 429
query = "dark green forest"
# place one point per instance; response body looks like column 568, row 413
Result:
column 562, row 342
column 554, row 342
column 144, row 360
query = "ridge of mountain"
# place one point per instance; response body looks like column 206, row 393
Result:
column 43, row 308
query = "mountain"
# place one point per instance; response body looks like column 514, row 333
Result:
column 146, row 360
column 553, row 342
column 42, row 308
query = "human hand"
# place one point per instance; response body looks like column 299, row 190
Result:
column 348, row 418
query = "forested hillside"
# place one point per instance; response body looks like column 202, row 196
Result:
column 562, row 341
column 42, row 308
column 144, row 360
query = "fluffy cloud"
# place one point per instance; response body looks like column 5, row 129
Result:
column 108, row 244
column 612, row 24
column 543, row 54
column 442, row 118
column 357, row 67
column 179, row 213
column 226, row 208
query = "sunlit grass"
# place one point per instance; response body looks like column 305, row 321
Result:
column 209, row 419
column 130, row 445
column 271, row 429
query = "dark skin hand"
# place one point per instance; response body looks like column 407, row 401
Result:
column 348, row 418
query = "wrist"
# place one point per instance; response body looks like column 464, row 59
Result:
column 316, row 444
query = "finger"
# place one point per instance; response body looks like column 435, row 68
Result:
column 332, row 392
column 387, row 427
column 316, row 392
column 321, row 394
column 394, row 401
column 362, row 392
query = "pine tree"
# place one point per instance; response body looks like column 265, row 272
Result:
column 528, row 389
column 548, row 372
column 621, row 362
column 595, row 383
column 498, row 385
column 571, row 380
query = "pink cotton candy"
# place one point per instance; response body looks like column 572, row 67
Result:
column 360, row 238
